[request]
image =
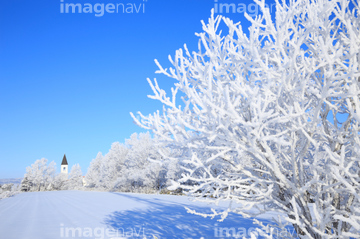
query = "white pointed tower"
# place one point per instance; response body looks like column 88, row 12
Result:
column 64, row 165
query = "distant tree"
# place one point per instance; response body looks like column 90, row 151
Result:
column 39, row 176
column 104, row 170
column 112, row 165
column 271, row 120
column 140, row 171
column 25, row 185
column 75, row 179
column 136, row 166
column 92, row 177
column 59, row 182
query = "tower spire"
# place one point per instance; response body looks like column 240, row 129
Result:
column 64, row 161
column 64, row 165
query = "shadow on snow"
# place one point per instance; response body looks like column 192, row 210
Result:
column 165, row 219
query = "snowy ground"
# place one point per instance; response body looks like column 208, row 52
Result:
column 79, row 214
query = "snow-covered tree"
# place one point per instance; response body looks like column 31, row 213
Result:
column 93, row 173
column 25, row 185
column 105, row 170
column 39, row 176
column 112, row 165
column 59, row 182
column 74, row 180
column 271, row 119
column 136, row 165
column 142, row 171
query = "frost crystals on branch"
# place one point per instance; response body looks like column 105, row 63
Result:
column 271, row 120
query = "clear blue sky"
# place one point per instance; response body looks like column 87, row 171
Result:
column 69, row 80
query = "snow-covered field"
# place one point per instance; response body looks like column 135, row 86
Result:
column 82, row 214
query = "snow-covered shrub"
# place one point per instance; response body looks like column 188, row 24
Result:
column 7, row 187
column 9, row 190
column 7, row 194
column 271, row 119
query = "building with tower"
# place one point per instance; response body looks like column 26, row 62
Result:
column 64, row 165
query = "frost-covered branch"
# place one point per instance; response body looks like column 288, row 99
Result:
column 271, row 120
